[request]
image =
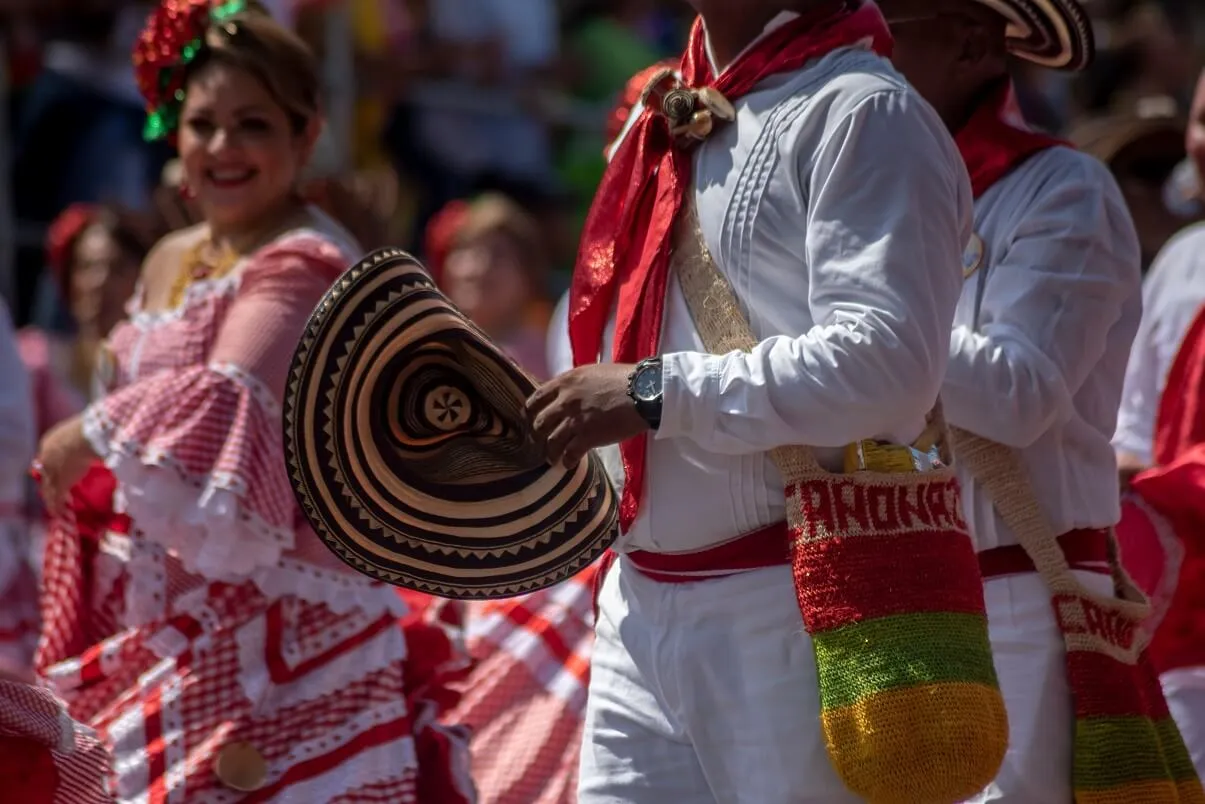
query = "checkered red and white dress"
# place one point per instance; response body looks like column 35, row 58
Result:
column 18, row 585
column 526, row 697
column 45, row 756
column 206, row 614
column 18, row 591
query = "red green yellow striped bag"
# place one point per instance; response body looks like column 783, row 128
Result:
column 888, row 582
column 1127, row 748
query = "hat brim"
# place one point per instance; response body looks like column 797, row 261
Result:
column 1052, row 33
column 409, row 452
column 1110, row 137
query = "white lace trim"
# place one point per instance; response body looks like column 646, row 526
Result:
column 200, row 519
column 202, row 522
column 202, row 288
column 260, row 392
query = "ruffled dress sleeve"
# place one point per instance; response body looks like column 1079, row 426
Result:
column 197, row 450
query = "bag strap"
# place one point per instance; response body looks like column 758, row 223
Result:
column 998, row 470
column 721, row 324
column 723, row 328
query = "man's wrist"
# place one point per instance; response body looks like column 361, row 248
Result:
column 645, row 390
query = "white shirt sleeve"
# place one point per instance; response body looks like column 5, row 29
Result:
column 558, row 349
column 17, row 429
column 888, row 210
column 1071, row 265
column 1140, row 394
column 1172, row 295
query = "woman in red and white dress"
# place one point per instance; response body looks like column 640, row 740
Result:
column 200, row 626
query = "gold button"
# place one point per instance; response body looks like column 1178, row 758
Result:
column 240, row 766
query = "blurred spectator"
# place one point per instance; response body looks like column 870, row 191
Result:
column 1195, row 136
column 78, row 133
column 495, row 272
column 94, row 254
column 1142, row 148
column 18, row 586
column 1172, row 296
column 1145, row 49
column 606, row 44
column 79, row 138
column 507, row 47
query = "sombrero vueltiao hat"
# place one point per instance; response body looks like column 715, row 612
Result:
column 408, row 448
column 1152, row 125
column 1052, row 33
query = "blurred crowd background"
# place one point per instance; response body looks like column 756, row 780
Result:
column 468, row 131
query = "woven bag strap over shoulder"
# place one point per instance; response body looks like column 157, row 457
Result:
column 723, row 328
column 721, row 324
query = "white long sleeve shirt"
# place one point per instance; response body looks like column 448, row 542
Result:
column 1042, row 334
column 1172, row 296
column 837, row 206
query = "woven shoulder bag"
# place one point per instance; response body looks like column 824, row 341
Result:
column 887, row 580
column 1127, row 748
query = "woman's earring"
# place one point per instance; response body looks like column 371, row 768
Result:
column 186, row 191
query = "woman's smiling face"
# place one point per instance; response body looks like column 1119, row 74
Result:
column 240, row 151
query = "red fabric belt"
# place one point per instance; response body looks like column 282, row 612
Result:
column 1086, row 550
column 765, row 547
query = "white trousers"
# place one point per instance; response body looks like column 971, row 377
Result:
column 704, row 693
column 1031, row 666
column 1185, row 693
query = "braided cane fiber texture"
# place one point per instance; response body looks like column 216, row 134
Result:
column 888, row 584
column 1127, row 748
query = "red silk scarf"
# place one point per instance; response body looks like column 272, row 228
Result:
column 996, row 139
column 626, row 242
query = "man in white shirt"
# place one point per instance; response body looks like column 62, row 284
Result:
column 847, row 265
column 1048, row 310
column 1172, row 296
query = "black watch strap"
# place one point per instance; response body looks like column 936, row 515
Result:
column 644, row 387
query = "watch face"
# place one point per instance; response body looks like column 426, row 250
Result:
column 646, row 385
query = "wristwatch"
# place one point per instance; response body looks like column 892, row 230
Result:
column 644, row 387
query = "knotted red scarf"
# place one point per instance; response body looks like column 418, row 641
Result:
column 996, row 139
column 626, row 242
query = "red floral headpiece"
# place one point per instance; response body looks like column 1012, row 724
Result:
column 441, row 234
column 62, row 235
column 173, row 36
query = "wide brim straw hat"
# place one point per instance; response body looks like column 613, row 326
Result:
column 1052, row 33
column 1147, row 127
column 408, row 448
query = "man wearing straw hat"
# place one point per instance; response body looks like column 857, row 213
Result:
column 1049, row 308
column 703, row 683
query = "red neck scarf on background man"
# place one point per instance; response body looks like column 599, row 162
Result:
column 626, row 242
column 996, row 140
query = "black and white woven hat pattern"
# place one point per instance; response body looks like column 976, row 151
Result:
column 1052, row 33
